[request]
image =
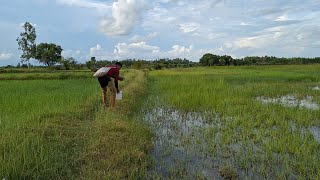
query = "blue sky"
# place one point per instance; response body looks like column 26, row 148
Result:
column 123, row 29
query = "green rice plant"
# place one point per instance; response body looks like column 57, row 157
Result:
column 33, row 114
column 56, row 128
column 268, row 146
column 46, row 75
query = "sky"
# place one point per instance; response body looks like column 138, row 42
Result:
column 151, row 29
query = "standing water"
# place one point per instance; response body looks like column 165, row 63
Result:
column 291, row 101
column 179, row 145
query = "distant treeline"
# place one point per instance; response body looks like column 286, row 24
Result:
column 206, row 60
column 144, row 64
column 225, row 60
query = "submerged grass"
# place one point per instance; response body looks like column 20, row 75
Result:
column 254, row 138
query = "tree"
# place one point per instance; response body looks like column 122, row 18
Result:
column 138, row 65
column 48, row 54
column 68, row 63
column 89, row 64
column 206, row 59
column 209, row 59
column 26, row 43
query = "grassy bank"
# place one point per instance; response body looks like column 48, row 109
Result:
column 54, row 127
column 120, row 141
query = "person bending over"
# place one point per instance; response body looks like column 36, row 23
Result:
column 110, row 80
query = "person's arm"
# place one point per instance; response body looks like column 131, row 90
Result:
column 116, row 78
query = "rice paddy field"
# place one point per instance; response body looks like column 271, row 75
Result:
column 57, row 128
column 248, row 122
column 235, row 122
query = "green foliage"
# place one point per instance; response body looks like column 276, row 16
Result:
column 89, row 64
column 69, row 63
column 48, row 54
column 144, row 64
column 138, row 65
column 26, row 42
column 271, row 60
column 209, row 59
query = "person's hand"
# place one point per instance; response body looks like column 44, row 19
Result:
column 121, row 78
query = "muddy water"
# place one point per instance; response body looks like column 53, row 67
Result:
column 291, row 101
column 179, row 145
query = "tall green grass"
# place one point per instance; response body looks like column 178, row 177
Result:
column 52, row 128
column 36, row 116
column 269, row 146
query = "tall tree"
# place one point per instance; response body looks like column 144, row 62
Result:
column 26, row 42
column 205, row 60
column 48, row 54
column 68, row 63
column 209, row 59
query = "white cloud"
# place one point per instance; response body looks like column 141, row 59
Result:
column 96, row 51
column 259, row 41
column 125, row 15
column 316, row 43
column 71, row 53
column 168, row 1
column 5, row 56
column 189, row 27
column 180, row 50
column 159, row 19
column 267, row 38
column 283, row 17
column 266, row 11
column 137, row 38
column 244, row 24
column 135, row 48
column 144, row 51
column 85, row 4
column 224, row 27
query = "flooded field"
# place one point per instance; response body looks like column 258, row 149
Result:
column 291, row 101
column 302, row 130
column 179, row 144
column 191, row 145
column 216, row 125
column 315, row 132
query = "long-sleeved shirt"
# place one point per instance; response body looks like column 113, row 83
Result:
column 114, row 72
